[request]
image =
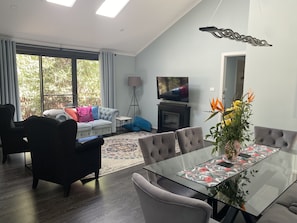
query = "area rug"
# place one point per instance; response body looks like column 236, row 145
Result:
column 121, row 151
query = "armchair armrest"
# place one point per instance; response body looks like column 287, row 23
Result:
column 89, row 145
column 19, row 124
column 17, row 132
column 109, row 114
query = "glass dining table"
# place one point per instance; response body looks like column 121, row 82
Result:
column 250, row 190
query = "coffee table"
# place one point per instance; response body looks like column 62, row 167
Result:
column 252, row 190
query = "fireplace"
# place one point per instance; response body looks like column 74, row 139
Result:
column 173, row 116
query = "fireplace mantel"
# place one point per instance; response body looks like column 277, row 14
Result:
column 173, row 116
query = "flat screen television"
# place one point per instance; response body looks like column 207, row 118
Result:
column 173, row 88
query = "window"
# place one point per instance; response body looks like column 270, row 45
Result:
column 56, row 82
column 88, row 82
column 52, row 78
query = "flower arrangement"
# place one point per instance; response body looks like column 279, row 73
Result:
column 233, row 129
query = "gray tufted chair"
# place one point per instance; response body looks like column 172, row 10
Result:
column 190, row 139
column 284, row 210
column 284, row 139
column 158, row 147
column 160, row 206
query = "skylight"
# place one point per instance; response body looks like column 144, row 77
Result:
column 111, row 8
column 68, row 3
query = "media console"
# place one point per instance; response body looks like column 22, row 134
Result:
column 173, row 116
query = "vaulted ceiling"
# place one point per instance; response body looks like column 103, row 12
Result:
column 140, row 23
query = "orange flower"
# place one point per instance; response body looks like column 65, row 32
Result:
column 217, row 105
column 213, row 105
column 251, row 96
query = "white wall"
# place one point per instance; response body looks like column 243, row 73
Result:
column 183, row 50
column 272, row 71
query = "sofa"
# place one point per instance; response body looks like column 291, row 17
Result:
column 91, row 120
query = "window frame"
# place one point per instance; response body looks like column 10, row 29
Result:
column 72, row 54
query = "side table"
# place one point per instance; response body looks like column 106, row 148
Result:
column 122, row 120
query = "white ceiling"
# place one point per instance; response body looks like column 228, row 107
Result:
column 40, row 22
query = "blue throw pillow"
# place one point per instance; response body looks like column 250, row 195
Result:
column 95, row 112
column 142, row 124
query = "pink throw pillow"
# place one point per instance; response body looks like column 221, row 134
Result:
column 85, row 114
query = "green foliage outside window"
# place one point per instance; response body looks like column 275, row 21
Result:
column 47, row 82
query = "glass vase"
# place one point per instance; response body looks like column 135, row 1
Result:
column 232, row 149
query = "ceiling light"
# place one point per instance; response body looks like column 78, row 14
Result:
column 229, row 33
column 111, row 8
column 68, row 3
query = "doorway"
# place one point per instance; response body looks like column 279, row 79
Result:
column 232, row 77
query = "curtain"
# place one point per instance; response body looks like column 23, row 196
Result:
column 9, row 89
column 106, row 60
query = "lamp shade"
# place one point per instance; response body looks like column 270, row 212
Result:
column 134, row 81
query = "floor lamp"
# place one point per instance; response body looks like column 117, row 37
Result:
column 134, row 82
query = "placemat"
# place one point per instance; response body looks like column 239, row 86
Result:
column 216, row 170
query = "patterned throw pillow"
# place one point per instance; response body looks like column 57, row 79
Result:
column 85, row 114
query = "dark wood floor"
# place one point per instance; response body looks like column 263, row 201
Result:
column 111, row 199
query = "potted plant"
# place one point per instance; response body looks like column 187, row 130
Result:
column 233, row 129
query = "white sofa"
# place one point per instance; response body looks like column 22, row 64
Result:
column 104, row 125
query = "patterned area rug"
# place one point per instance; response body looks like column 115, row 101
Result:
column 121, row 151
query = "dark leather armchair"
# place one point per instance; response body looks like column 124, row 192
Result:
column 57, row 156
column 12, row 133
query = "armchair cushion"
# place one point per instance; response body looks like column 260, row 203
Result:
column 88, row 143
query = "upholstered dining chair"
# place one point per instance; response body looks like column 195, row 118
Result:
column 279, row 138
column 159, row 206
column 57, row 156
column 190, row 139
column 158, row 147
column 284, row 139
column 12, row 133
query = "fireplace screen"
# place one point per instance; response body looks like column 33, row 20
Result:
column 170, row 120
column 173, row 116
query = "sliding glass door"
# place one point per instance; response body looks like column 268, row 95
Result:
column 47, row 81
column 57, row 82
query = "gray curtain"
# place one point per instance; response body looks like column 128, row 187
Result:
column 106, row 60
column 9, row 90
